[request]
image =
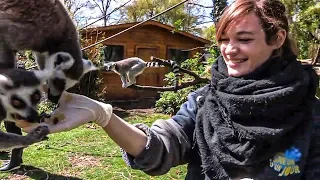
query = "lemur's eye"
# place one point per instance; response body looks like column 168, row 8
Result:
column 35, row 97
column 17, row 102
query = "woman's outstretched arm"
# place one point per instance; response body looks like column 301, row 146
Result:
column 128, row 137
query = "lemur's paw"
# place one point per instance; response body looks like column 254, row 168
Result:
column 127, row 85
column 124, row 85
column 37, row 135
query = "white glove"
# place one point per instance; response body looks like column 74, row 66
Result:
column 75, row 110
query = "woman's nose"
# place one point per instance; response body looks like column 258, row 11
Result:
column 231, row 49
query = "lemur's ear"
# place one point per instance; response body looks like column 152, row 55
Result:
column 64, row 60
column 5, row 84
column 88, row 66
column 59, row 60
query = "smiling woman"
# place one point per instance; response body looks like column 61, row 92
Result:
column 249, row 34
column 244, row 47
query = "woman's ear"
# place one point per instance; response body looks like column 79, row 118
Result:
column 280, row 38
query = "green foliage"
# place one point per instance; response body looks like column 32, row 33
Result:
column 182, row 17
column 29, row 62
column 218, row 7
column 209, row 33
column 170, row 102
column 304, row 18
column 308, row 22
column 46, row 106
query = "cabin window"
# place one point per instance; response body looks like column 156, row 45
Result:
column 178, row 55
column 113, row 53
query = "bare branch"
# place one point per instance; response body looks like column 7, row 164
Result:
column 200, row 5
column 170, row 88
column 97, row 5
column 204, row 47
column 115, row 9
column 203, row 22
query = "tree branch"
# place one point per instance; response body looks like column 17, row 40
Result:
column 170, row 88
column 200, row 5
column 203, row 47
column 197, row 79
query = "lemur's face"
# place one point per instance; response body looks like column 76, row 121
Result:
column 109, row 66
column 21, row 92
column 59, row 63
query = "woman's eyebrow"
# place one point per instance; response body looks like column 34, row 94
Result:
column 245, row 33
column 241, row 33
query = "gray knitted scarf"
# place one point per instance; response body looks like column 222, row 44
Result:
column 243, row 122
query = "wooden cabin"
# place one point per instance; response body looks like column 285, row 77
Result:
column 149, row 39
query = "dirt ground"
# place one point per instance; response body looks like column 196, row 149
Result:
column 131, row 108
column 131, row 112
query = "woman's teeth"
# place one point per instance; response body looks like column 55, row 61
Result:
column 239, row 61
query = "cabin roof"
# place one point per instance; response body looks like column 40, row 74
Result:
column 150, row 22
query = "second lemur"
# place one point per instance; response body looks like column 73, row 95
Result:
column 20, row 93
column 128, row 69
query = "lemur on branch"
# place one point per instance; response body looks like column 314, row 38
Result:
column 128, row 69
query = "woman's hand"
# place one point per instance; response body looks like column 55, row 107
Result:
column 75, row 110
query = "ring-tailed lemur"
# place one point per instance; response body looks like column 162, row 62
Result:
column 20, row 93
column 45, row 27
column 128, row 69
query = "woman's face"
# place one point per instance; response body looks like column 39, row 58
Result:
column 243, row 45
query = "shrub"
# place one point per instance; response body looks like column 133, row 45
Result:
column 170, row 102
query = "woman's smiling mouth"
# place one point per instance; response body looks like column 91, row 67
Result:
column 236, row 62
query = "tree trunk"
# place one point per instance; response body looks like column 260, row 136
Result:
column 316, row 58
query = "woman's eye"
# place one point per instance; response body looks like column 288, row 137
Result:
column 245, row 40
column 223, row 40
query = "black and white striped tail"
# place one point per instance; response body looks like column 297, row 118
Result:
column 154, row 64
column 175, row 70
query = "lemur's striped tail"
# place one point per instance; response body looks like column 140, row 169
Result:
column 174, row 68
column 154, row 64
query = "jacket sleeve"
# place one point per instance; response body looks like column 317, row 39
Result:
column 169, row 141
column 312, row 169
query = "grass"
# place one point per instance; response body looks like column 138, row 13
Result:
column 83, row 153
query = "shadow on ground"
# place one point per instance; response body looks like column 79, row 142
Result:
column 32, row 172
column 40, row 174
